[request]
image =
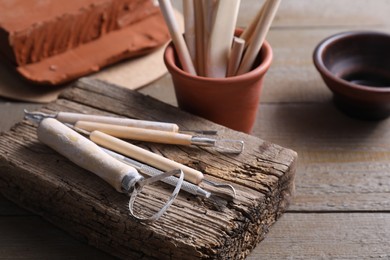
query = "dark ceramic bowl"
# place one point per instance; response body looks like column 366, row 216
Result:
column 356, row 68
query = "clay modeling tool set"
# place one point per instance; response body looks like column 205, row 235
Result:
column 122, row 169
column 209, row 47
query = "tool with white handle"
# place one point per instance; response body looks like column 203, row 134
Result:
column 72, row 118
column 88, row 155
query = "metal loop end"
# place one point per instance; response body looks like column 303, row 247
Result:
column 146, row 181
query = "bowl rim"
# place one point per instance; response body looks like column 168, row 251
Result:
column 319, row 63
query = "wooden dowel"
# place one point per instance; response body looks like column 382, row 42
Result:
column 134, row 133
column 258, row 38
column 177, row 37
column 248, row 32
column 199, row 42
column 221, row 38
column 209, row 7
column 235, row 56
column 189, row 28
column 71, row 118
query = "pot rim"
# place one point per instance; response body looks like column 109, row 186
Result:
column 255, row 73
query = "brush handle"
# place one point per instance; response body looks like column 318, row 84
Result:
column 134, row 133
column 71, row 118
column 85, row 153
column 144, row 156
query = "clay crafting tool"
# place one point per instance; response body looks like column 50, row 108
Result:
column 199, row 37
column 153, row 159
column 235, row 56
column 72, row 118
column 216, row 196
column 150, row 171
column 221, row 37
column 156, row 136
column 189, row 28
column 88, row 155
column 258, row 37
column 248, row 32
column 177, row 37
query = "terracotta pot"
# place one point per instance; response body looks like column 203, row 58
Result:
column 232, row 102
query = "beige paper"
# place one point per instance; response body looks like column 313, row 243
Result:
column 136, row 73
column 132, row 74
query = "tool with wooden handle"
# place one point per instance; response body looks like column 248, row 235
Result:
column 155, row 160
column 145, row 156
column 150, row 171
column 72, row 118
column 86, row 154
column 156, row 136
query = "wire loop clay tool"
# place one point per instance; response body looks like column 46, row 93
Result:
column 86, row 154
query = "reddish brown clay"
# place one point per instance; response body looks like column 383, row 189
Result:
column 232, row 102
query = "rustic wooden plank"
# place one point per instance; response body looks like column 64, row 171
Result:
column 327, row 236
column 344, row 163
column 80, row 203
column 29, row 237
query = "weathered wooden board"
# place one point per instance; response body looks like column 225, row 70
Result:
column 46, row 183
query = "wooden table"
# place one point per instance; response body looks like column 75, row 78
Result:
column 341, row 207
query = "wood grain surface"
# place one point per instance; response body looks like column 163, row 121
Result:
column 341, row 205
column 41, row 180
